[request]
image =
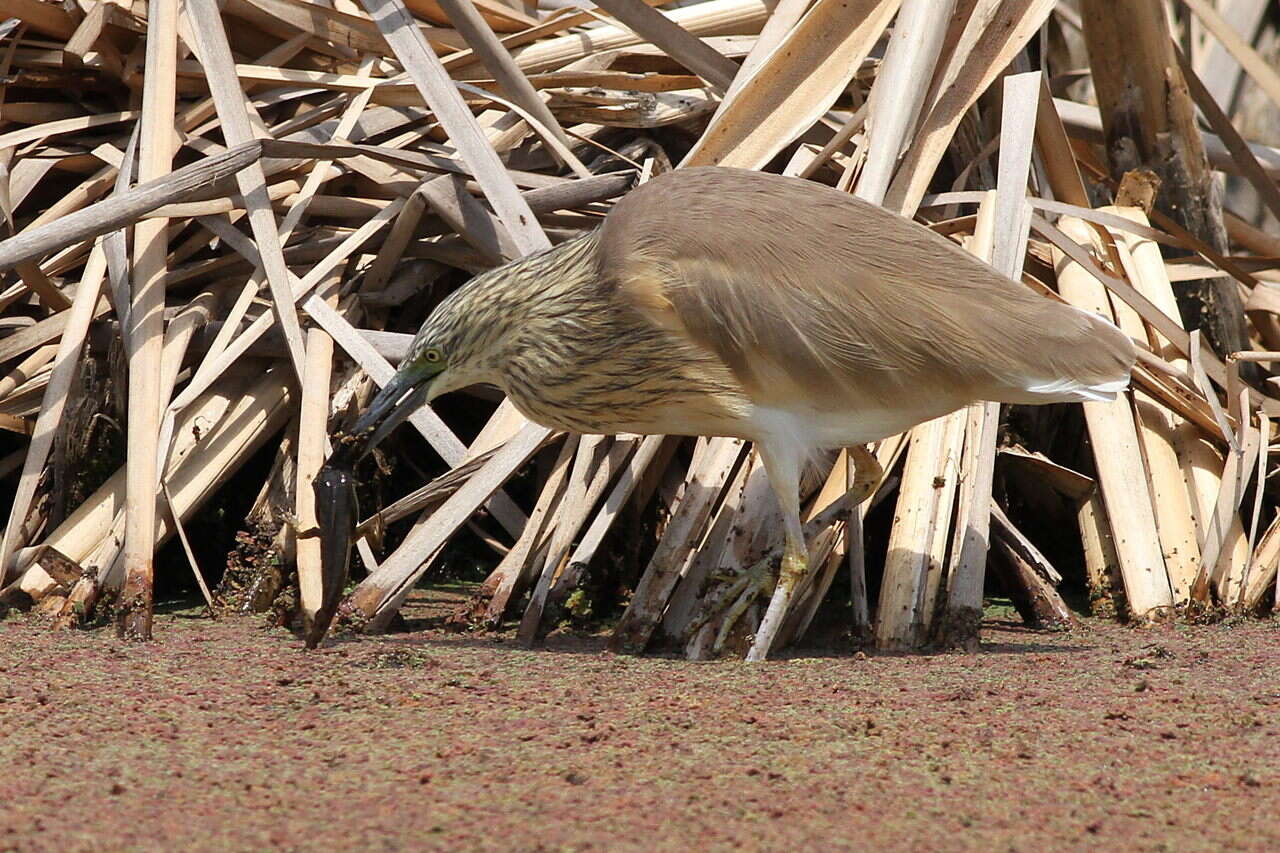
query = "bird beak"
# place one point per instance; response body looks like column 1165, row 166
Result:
column 393, row 405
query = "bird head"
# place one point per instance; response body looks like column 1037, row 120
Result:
column 446, row 354
column 470, row 337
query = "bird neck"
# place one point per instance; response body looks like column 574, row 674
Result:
column 538, row 297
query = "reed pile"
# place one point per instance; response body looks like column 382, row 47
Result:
column 225, row 220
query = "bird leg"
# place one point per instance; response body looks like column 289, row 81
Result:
column 737, row 591
column 795, row 557
column 783, row 462
column 795, row 565
column 740, row 588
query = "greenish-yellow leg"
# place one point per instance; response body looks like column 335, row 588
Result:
column 784, row 474
column 750, row 585
column 795, row 564
column 742, row 588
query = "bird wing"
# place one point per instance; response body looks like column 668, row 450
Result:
column 807, row 293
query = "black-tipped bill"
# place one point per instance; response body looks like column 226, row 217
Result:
column 392, row 406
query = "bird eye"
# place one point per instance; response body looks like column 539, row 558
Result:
column 432, row 355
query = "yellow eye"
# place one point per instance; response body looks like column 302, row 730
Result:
column 432, row 356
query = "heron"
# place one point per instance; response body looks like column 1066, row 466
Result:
column 727, row 302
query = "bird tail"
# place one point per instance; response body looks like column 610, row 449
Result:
column 1088, row 360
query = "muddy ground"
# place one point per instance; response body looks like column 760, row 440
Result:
column 227, row 736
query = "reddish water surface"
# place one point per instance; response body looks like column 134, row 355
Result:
column 227, row 736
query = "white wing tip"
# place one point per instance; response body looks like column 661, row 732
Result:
column 1073, row 391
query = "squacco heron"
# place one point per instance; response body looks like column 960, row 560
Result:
column 726, row 302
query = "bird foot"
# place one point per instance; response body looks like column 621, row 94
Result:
column 734, row 593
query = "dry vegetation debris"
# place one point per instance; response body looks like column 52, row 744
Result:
column 237, row 213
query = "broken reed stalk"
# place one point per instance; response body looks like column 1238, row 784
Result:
column 962, row 614
column 1148, row 119
column 559, row 574
column 913, row 570
column 243, row 415
column 795, row 85
column 699, row 19
column 234, row 115
column 1113, row 436
column 54, row 403
column 515, row 570
column 991, row 37
column 376, row 599
column 1185, row 468
column 804, row 94
column 902, row 84
column 313, row 434
column 472, row 26
column 420, row 61
column 1005, row 247
column 1024, row 569
column 145, row 336
column 706, row 477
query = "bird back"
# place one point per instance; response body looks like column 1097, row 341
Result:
column 808, row 293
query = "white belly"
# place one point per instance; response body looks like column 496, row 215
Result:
column 833, row 429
